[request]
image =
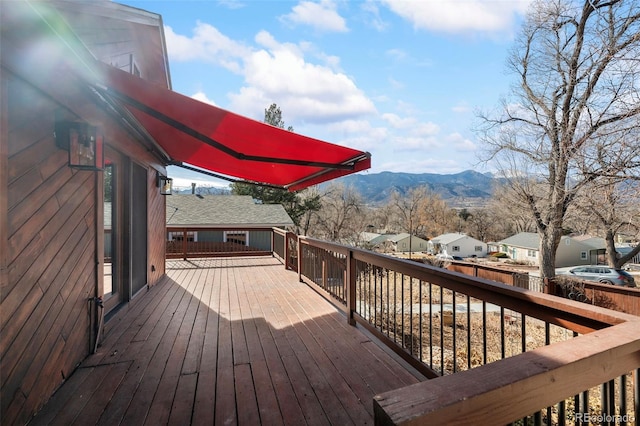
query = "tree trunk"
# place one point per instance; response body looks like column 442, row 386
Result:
column 611, row 249
column 549, row 241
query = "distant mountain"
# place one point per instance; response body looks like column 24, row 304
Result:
column 465, row 189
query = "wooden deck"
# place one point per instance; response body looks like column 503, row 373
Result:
column 228, row 341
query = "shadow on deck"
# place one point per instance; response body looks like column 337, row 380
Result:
column 228, row 341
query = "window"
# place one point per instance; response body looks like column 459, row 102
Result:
column 583, row 255
column 455, row 248
column 531, row 253
column 179, row 236
column 477, row 248
column 237, row 237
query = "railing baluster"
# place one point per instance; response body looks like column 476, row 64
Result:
column 636, row 395
column 562, row 413
column 612, row 399
column 455, row 335
column 484, row 332
column 468, row 332
column 604, row 401
column 411, row 315
column 430, row 325
column 523, row 332
column 502, row 340
column 421, row 357
column 441, row 332
column 388, row 304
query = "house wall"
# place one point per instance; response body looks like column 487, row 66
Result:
column 466, row 248
column 569, row 253
column 51, row 236
column 258, row 239
column 50, row 241
column 417, row 244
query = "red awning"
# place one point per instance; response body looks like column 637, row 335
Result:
column 220, row 141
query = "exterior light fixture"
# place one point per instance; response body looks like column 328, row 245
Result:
column 165, row 184
column 84, row 144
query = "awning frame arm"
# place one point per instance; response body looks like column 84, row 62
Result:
column 348, row 165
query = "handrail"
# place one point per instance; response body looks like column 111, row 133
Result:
column 377, row 289
column 206, row 241
column 486, row 395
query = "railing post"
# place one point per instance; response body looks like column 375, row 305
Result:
column 324, row 273
column 273, row 242
column 287, row 248
column 299, row 257
column 184, row 244
column 351, row 288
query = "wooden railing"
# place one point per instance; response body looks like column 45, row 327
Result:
column 187, row 243
column 285, row 247
column 496, row 354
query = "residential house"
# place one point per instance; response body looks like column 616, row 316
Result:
column 581, row 250
column 224, row 218
column 88, row 126
column 457, row 244
column 403, row 243
column 399, row 243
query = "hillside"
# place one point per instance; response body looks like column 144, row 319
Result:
column 465, row 189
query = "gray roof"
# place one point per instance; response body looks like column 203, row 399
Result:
column 530, row 240
column 451, row 237
column 398, row 237
column 223, row 210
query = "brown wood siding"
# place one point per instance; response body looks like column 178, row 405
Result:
column 51, row 232
column 49, row 222
column 156, row 230
column 4, row 251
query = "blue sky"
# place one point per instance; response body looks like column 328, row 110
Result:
column 400, row 79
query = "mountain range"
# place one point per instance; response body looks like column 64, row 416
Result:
column 464, row 189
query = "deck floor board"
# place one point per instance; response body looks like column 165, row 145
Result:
column 234, row 340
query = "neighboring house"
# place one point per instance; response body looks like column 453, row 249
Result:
column 399, row 243
column 238, row 218
column 403, row 244
column 457, row 244
column 580, row 250
column 87, row 118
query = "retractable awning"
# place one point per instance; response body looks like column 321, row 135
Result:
column 208, row 137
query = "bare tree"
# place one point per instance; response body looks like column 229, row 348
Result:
column 407, row 210
column 614, row 207
column 340, row 215
column 576, row 103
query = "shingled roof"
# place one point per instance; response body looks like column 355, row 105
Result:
column 224, row 211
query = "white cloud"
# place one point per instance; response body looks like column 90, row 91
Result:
column 396, row 54
column 428, row 165
column 373, row 15
column 276, row 72
column 461, row 108
column 457, row 17
column 202, row 97
column 304, row 91
column 322, row 16
column 231, row 4
column 414, row 143
column 412, row 125
column 395, row 84
column 207, row 44
column 460, row 143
